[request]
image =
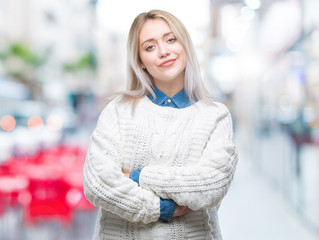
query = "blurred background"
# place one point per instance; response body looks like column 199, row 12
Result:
column 60, row 60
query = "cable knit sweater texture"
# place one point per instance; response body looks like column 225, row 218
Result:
column 186, row 155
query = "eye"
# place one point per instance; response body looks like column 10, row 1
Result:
column 172, row 39
column 149, row 48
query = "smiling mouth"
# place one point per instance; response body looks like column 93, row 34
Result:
column 167, row 63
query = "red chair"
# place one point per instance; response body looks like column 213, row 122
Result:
column 48, row 197
column 11, row 188
column 56, row 184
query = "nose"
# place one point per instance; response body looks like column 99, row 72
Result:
column 163, row 51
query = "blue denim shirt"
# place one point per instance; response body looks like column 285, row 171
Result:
column 179, row 100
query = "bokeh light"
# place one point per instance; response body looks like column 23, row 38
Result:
column 8, row 123
column 35, row 123
column 54, row 123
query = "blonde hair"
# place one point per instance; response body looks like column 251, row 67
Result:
column 140, row 82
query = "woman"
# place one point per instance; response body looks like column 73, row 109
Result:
column 161, row 158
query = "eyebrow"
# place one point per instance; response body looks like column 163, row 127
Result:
column 152, row 39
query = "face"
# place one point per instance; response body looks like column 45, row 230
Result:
column 162, row 54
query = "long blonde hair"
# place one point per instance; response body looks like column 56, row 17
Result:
column 140, row 82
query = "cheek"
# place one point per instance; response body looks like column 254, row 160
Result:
column 147, row 59
column 184, row 60
column 182, row 54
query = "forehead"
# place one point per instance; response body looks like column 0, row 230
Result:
column 153, row 28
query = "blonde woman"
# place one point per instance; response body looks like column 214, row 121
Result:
column 161, row 157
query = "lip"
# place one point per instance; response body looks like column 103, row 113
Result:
column 167, row 63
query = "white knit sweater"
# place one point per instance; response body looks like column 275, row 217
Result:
column 186, row 155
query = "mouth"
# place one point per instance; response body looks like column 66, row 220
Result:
column 167, row 63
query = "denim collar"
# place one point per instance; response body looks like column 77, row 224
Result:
column 179, row 100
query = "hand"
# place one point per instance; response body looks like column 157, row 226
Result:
column 126, row 173
column 180, row 211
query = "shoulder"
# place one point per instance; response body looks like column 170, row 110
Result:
column 110, row 109
column 213, row 113
column 122, row 107
column 110, row 105
column 114, row 103
column 114, row 111
column 214, row 108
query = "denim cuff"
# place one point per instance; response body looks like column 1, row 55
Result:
column 135, row 176
column 167, row 209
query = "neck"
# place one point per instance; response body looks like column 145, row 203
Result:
column 170, row 88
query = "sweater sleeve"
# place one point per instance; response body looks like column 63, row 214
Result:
column 105, row 185
column 167, row 205
column 204, row 184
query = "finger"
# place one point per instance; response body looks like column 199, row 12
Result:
column 185, row 210
column 126, row 173
column 180, row 211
